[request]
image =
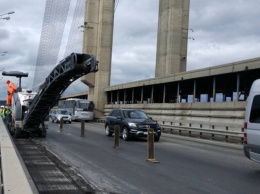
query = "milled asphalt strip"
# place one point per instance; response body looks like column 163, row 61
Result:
column 16, row 178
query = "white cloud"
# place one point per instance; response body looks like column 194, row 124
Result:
column 224, row 32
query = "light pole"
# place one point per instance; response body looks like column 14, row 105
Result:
column 6, row 18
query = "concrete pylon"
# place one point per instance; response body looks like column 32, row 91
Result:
column 172, row 37
column 98, row 38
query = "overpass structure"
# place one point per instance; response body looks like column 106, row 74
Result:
column 210, row 100
column 207, row 103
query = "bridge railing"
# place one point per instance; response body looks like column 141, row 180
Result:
column 220, row 121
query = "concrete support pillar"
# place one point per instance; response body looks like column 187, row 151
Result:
column 178, row 93
column 214, row 89
column 172, row 37
column 124, row 96
column 133, row 94
column 194, row 90
column 164, row 92
column 117, row 96
column 98, row 37
column 152, row 94
column 142, row 94
column 238, row 86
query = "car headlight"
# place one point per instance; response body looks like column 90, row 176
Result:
column 132, row 125
column 157, row 125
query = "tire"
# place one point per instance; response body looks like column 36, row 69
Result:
column 43, row 133
column 17, row 133
column 125, row 134
column 56, row 120
column 107, row 131
column 11, row 129
column 156, row 138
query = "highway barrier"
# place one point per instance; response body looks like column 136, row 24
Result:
column 116, row 136
column 15, row 177
column 61, row 124
column 82, row 128
column 150, row 146
column 218, row 121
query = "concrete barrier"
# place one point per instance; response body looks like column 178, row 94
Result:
column 223, row 120
column 16, row 178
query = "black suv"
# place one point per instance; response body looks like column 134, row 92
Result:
column 132, row 122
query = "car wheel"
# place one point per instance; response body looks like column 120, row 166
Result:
column 107, row 131
column 156, row 138
column 125, row 134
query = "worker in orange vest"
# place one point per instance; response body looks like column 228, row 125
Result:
column 11, row 89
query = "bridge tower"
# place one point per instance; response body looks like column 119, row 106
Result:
column 172, row 37
column 98, row 36
column 172, row 41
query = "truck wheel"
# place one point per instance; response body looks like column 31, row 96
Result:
column 17, row 133
column 125, row 134
column 107, row 131
column 43, row 133
column 11, row 129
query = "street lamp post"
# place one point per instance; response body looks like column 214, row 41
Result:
column 6, row 18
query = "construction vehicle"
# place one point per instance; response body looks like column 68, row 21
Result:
column 29, row 112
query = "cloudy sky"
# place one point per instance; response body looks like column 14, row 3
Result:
column 224, row 32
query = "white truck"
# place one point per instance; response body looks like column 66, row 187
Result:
column 252, row 123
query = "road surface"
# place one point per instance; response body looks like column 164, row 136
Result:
column 185, row 165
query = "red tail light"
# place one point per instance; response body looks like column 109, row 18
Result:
column 245, row 125
column 245, row 138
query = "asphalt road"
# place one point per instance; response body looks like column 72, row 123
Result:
column 185, row 165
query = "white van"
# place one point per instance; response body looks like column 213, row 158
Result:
column 252, row 123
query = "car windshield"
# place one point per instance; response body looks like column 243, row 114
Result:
column 134, row 114
column 63, row 112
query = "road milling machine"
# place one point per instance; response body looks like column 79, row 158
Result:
column 29, row 111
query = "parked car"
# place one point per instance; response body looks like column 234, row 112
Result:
column 56, row 115
column 132, row 122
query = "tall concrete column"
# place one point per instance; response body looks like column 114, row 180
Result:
column 98, row 38
column 172, row 37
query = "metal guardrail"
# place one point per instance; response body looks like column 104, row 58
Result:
column 228, row 132
column 212, row 132
column 15, row 177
